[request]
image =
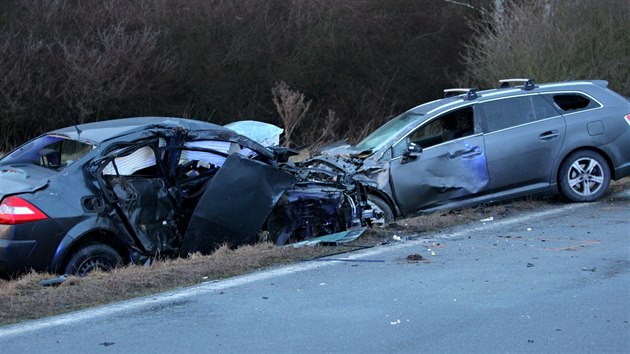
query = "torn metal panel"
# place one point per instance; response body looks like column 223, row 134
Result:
column 336, row 238
column 439, row 174
column 310, row 210
column 147, row 205
column 263, row 133
column 18, row 180
column 235, row 205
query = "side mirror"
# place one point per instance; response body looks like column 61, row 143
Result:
column 412, row 153
column 414, row 148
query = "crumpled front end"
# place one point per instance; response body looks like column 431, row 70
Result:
column 178, row 192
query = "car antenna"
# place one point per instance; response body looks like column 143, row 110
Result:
column 78, row 132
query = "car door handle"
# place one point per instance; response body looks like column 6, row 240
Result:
column 549, row 135
column 466, row 154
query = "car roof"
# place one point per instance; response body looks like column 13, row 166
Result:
column 474, row 96
column 97, row 132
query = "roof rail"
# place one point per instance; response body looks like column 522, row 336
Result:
column 471, row 93
column 528, row 84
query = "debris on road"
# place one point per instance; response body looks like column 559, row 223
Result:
column 334, row 239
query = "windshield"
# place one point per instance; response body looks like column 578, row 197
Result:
column 51, row 151
column 388, row 131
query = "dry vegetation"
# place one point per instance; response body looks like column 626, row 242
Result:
column 552, row 41
column 24, row 298
column 218, row 60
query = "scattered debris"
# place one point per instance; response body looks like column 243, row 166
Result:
column 53, row 281
column 107, row 344
column 487, row 219
column 334, row 239
column 396, row 238
column 589, row 269
column 529, row 229
column 529, row 265
column 415, row 257
column 395, row 322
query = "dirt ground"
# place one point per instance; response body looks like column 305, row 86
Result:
column 25, row 298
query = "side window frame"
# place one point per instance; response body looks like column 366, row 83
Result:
column 402, row 145
column 593, row 102
column 534, row 113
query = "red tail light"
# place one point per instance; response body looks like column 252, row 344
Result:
column 628, row 118
column 15, row 210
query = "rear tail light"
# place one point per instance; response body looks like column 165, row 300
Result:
column 628, row 118
column 15, row 210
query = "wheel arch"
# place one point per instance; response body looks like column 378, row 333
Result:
column 602, row 153
column 386, row 198
column 68, row 246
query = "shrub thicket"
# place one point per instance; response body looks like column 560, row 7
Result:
column 552, row 40
column 359, row 61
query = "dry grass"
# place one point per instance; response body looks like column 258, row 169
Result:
column 24, row 298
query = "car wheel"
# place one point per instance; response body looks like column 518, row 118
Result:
column 382, row 207
column 584, row 176
column 91, row 257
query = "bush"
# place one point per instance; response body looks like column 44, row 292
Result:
column 359, row 62
column 552, row 40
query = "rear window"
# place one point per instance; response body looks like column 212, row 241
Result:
column 569, row 102
column 50, row 151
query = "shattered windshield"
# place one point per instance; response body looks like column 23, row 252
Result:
column 388, row 131
column 50, row 151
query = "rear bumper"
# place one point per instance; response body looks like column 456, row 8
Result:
column 13, row 255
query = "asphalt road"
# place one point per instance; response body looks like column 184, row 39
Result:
column 552, row 281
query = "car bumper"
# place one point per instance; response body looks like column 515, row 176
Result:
column 22, row 248
column 13, row 255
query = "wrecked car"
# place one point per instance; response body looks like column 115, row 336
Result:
column 128, row 190
column 474, row 147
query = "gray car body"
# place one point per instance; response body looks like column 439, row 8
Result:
column 490, row 165
column 166, row 210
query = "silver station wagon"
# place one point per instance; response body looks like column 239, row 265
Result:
column 475, row 146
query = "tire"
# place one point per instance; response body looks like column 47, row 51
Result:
column 584, row 176
column 91, row 257
column 380, row 205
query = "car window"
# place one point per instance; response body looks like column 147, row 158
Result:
column 449, row 126
column 501, row 114
column 51, row 151
column 543, row 108
column 452, row 125
column 383, row 135
column 510, row 112
column 568, row 102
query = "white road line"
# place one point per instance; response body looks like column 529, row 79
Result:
column 214, row 286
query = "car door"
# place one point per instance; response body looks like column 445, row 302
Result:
column 523, row 136
column 440, row 161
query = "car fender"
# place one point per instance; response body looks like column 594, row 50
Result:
column 79, row 234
